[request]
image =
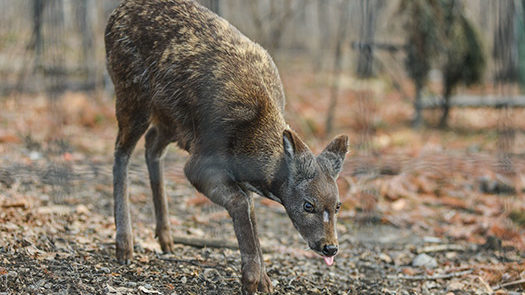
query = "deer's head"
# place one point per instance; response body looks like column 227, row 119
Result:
column 310, row 193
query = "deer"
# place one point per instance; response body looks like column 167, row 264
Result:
column 184, row 75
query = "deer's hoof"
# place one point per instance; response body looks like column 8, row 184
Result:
column 124, row 256
column 251, row 275
column 265, row 285
column 165, row 240
column 124, row 247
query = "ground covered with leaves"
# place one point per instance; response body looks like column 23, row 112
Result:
column 424, row 212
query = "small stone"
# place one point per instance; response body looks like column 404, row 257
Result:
column 430, row 239
column 131, row 284
column 275, row 282
column 451, row 255
column 34, row 155
column 431, row 285
column 148, row 286
column 211, row 274
column 423, row 260
column 82, row 209
column 183, row 280
column 12, row 274
column 408, row 271
column 492, row 243
column 402, row 258
column 105, row 270
column 48, row 285
column 385, row 258
column 455, row 286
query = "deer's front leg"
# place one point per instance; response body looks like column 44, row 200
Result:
column 265, row 285
column 252, row 268
column 218, row 186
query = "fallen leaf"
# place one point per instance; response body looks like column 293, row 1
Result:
column 6, row 137
column 147, row 291
column 408, row 271
column 144, row 259
column 16, row 204
column 399, row 205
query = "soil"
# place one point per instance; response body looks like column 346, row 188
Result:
column 57, row 232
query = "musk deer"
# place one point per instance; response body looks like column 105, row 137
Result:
column 183, row 74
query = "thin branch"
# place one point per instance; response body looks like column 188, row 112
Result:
column 486, row 285
column 334, row 90
column 508, row 284
column 209, row 243
column 205, row 243
column 192, row 262
column 440, row 248
column 436, row 277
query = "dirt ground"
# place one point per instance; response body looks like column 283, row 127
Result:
column 59, row 240
column 423, row 213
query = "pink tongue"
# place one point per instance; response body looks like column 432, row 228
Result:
column 329, row 260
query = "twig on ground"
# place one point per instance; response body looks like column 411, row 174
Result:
column 486, row 285
column 440, row 248
column 190, row 261
column 205, row 243
column 19, row 204
column 508, row 284
column 436, row 277
column 209, row 243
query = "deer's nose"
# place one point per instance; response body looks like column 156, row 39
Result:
column 330, row 250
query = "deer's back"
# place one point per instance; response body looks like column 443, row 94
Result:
column 195, row 72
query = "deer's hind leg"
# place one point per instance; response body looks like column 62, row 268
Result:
column 157, row 139
column 133, row 120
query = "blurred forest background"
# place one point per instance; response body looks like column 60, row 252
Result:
column 429, row 91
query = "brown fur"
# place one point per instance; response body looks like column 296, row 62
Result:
column 192, row 78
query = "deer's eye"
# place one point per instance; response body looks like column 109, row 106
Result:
column 337, row 208
column 308, row 207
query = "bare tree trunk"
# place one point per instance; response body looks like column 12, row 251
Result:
column 323, row 33
column 278, row 27
column 269, row 29
column 417, row 122
column 38, row 9
column 505, row 142
column 446, row 107
column 506, row 64
column 369, row 12
column 85, row 22
column 99, row 22
column 334, row 91
column 485, row 11
column 506, row 42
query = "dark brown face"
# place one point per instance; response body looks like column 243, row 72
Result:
column 312, row 197
column 313, row 211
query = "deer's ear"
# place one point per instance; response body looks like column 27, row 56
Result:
column 333, row 155
column 292, row 144
column 288, row 144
